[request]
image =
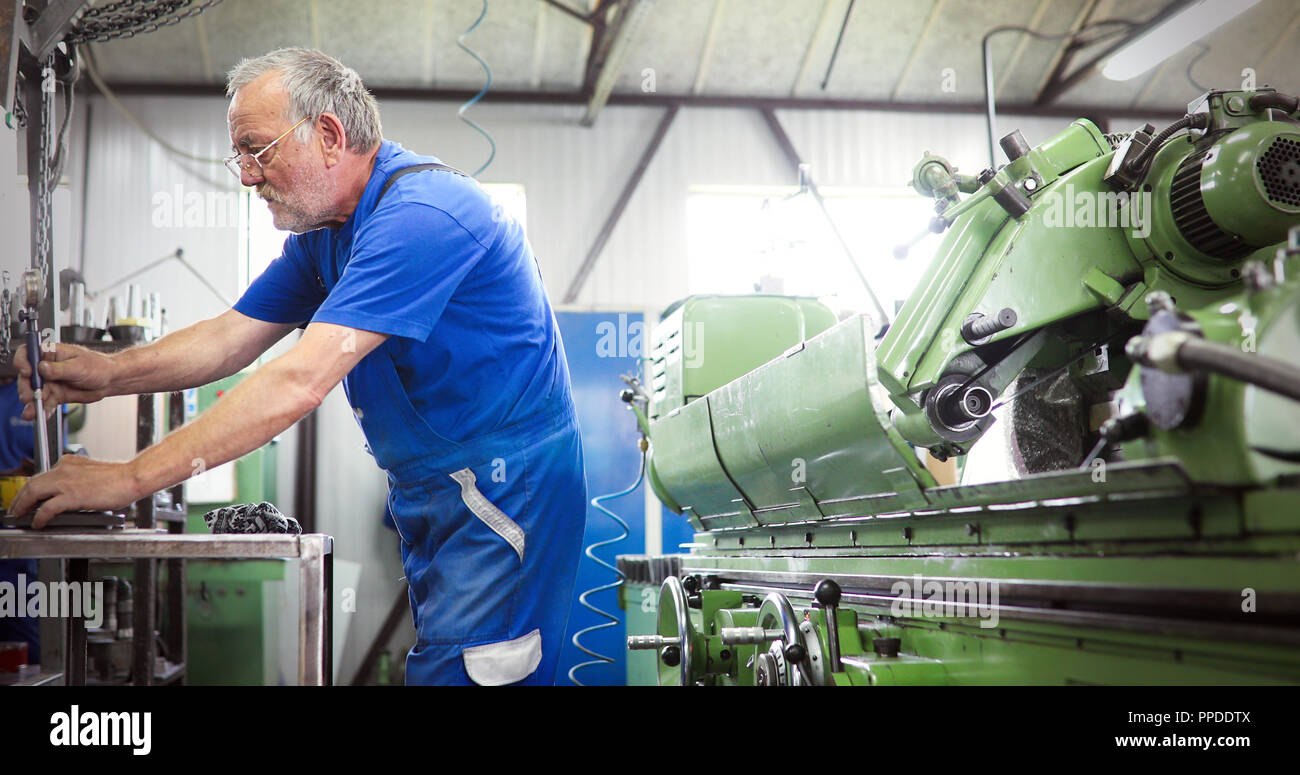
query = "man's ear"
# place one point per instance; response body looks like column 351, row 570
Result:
column 334, row 139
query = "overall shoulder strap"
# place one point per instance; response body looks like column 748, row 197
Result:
column 414, row 168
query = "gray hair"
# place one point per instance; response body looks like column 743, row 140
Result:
column 317, row 83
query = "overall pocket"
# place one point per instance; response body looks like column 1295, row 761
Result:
column 497, row 664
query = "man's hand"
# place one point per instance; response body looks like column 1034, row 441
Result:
column 72, row 375
column 77, row 484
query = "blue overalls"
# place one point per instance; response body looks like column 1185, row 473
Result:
column 467, row 405
column 491, row 532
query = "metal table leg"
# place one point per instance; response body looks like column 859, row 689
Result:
column 75, row 656
column 315, row 591
column 146, row 587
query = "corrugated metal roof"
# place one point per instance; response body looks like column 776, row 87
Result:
column 915, row 51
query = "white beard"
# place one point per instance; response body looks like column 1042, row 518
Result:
column 305, row 209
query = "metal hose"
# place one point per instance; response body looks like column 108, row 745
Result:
column 487, row 71
column 1148, row 153
column 1273, row 375
column 1273, row 99
column 612, row 620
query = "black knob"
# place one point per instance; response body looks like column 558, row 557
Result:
column 795, row 653
column 671, row 655
column 827, row 592
column 626, row 395
column 978, row 327
column 1014, row 145
column 691, row 584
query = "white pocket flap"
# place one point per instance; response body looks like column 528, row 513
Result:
column 496, row 664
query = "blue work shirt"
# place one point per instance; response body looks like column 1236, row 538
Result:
column 449, row 277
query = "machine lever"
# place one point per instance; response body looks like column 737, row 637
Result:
column 828, row 594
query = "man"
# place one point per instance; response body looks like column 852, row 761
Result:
column 429, row 306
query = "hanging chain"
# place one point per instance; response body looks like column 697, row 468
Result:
column 20, row 111
column 41, row 260
column 6, row 322
column 128, row 18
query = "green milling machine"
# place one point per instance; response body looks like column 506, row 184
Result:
column 1134, row 302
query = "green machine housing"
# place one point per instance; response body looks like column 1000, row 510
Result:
column 1134, row 302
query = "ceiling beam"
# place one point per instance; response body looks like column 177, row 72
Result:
column 615, row 44
column 691, row 101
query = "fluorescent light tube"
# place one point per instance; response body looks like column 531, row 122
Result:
column 1171, row 36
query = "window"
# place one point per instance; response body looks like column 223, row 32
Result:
column 777, row 239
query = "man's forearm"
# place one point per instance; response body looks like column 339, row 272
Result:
column 193, row 356
column 271, row 400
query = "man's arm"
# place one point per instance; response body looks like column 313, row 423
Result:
column 273, row 398
column 196, row 355
column 193, row 356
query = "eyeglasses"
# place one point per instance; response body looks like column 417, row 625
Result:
column 251, row 162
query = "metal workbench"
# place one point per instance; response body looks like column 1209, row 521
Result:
column 313, row 551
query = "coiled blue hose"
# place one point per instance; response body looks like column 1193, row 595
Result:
column 601, row 659
column 460, row 41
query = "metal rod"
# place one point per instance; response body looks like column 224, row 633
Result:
column 835, row 52
column 990, row 90
column 629, row 188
